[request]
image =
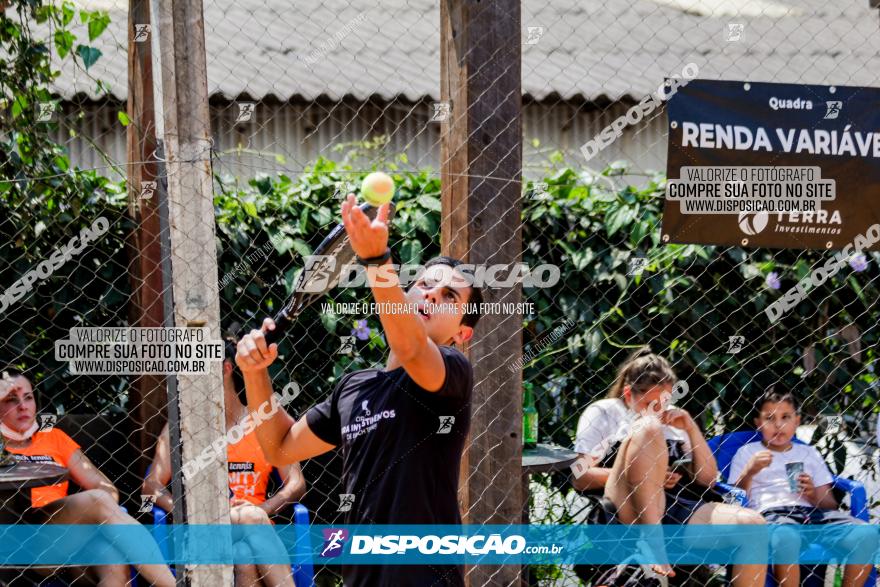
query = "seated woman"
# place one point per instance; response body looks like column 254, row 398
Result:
column 97, row 503
column 651, row 460
column 249, row 473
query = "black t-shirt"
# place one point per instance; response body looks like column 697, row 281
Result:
column 401, row 448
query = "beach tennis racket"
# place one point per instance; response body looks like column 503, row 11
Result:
column 321, row 272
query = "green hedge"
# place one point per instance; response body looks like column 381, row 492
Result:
column 685, row 304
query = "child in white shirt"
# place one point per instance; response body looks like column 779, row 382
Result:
column 790, row 484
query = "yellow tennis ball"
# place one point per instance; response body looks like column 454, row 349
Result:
column 377, row 188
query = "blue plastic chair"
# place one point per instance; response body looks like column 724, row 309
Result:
column 724, row 447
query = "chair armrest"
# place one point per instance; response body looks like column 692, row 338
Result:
column 300, row 514
column 740, row 496
column 303, row 573
column 858, row 497
column 160, row 516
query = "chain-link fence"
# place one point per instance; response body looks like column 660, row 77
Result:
column 303, row 102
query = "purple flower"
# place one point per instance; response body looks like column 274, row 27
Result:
column 773, row 280
column 361, row 330
column 858, row 262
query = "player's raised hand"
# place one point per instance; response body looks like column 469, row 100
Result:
column 253, row 354
column 368, row 238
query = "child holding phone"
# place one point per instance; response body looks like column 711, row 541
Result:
column 789, row 483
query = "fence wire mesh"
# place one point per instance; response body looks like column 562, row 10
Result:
column 307, row 100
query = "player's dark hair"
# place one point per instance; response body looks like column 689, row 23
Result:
column 775, row 395
column 642, row 370
column 472, row 309
column 231, row 348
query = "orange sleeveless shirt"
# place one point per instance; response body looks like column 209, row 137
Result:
column 248, row 469
column 47, row 446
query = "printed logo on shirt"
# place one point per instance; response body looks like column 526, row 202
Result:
column 241, row 467
column 34, row 458
column 366, row 421
column 244, row 482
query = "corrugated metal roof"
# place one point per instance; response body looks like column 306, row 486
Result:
column 589, row 49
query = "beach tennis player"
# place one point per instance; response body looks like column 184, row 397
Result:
column 396, row 466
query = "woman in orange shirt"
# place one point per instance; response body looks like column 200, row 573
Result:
column 97, row 503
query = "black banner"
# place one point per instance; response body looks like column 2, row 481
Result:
column 772, row 165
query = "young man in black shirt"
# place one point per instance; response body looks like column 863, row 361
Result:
column 402, row 430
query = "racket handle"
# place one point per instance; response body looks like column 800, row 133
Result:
column 282, row 321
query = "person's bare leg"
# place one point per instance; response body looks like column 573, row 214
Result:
column 103, row 575
column 856, row 575
column 97, row 507
column 787, row 575
column 271, row 575
column 635, row 485
column 111, row 575
column 725, row 514
column 246, row 576
column 786, row 544
column 861, row 542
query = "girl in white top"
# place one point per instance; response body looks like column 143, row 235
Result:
column 627, row 444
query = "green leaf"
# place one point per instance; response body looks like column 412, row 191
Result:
column 63, row 42
column 410, row 251
column 98, row 21
column 323, row 216
column 123, row 118
column 249, row 208
column 88, row 54
column 429, row 202
column 639, row 230
column 68, row 11
column 329, row 320
column 19, row 105
column 43, row 13
column 617, row 217
column 301, row 247
column 616, row 168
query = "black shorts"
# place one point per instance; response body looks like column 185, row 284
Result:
column 680, row 509
column 800, row 514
